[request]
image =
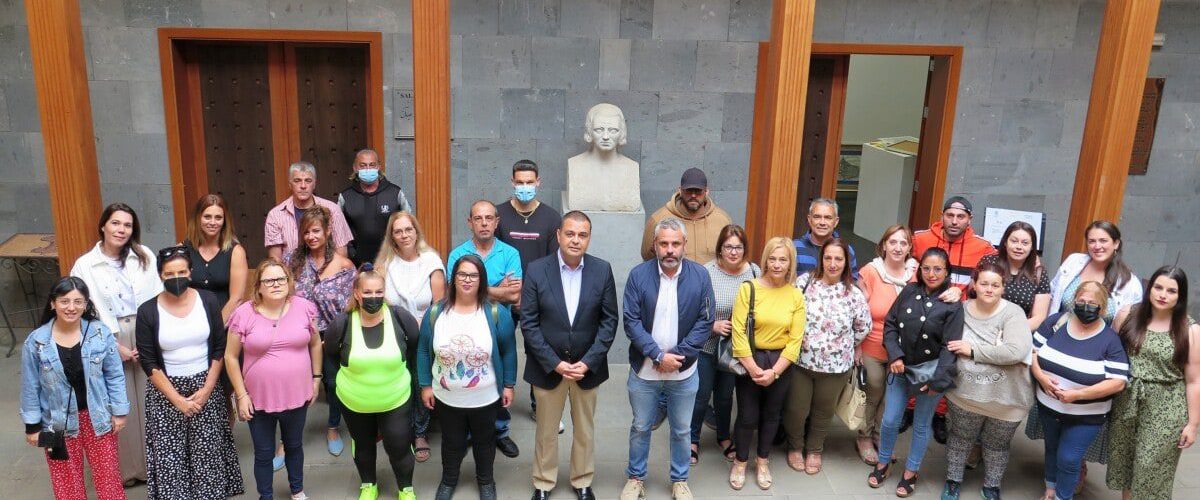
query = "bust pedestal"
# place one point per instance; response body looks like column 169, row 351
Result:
column 616, row 238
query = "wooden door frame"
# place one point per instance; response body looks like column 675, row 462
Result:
column 933, row 158
column 183, row 116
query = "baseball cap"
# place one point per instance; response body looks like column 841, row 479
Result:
column 958, row 202
column 693, row 178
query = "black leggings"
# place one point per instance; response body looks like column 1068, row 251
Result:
column 396, row 428
column 457, row 424
column 759, row 408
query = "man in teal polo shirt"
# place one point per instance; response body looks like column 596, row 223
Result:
column 503, row 265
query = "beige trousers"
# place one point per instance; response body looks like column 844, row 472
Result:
column 131, row 441
column 550, row 404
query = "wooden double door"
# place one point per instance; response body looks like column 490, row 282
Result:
column 257, row 107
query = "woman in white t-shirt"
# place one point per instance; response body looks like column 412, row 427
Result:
column 467, row 366
column 414, row 278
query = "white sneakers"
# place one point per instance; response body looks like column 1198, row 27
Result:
column 635, row 489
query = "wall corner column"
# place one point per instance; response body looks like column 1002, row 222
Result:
column 779, row 123
column 60, row 76
column 1122, row 62
column 431, row 103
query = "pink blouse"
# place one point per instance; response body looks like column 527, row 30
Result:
column 276, row 364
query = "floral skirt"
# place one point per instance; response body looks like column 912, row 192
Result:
column 190, row 458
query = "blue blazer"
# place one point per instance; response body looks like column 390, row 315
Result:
column 551, row 337
column 504, row 344
column 697, row 311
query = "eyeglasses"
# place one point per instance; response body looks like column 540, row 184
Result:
column 274, row 282
column 467, row 276
column 65, row 302
column 933, row 269
column 733, row 248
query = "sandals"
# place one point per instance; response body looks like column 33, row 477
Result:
column 418, row 450
column 730, row 452
column 695, row 455
column 907, row 486
column 812, row 464
column 763, row 469
column 795, row 460
column 737, row 475
column 867, row 453
column 879, row 475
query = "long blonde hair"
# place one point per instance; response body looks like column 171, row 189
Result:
column 777, row 242
column 388, row 249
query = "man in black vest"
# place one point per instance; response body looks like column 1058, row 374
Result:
column 568, row 319
column 367, row 204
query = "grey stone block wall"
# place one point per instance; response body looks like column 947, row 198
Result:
column 524, row 72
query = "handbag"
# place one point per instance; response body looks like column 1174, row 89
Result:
column 725, row 360
column 852, row 402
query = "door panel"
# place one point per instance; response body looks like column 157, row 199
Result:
column 817, row 121
column 235, row 98
column 331, row 111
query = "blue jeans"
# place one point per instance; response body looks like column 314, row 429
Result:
column 328, row 379
column 643, row 399
column 719, row 385
column 503, row 417
column 1066, row 443
column 262, row 433
column 895, row 401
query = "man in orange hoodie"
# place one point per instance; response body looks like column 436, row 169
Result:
column 955, row 235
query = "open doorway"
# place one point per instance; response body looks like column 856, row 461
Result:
column 877, row 136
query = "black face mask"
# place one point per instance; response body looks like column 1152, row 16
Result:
column 176, row 286
column 372, row 304
column 1087, row 313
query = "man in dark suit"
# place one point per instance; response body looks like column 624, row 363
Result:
column 568, row 319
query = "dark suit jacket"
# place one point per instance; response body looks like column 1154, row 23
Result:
column 696, row 310
column 550, row 337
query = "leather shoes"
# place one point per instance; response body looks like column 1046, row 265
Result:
column 540, row 495
column 444, row 492
column 507, row 447
column 585, row 493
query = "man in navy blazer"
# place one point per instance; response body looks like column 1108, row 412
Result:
column 568, row 319
column 669, row 313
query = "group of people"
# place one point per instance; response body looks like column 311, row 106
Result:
column 145, row 360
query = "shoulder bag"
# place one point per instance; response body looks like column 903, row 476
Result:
column 725, row 360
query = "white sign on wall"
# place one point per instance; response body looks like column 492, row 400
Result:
column 997, row 220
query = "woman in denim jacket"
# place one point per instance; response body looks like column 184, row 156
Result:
column 72, row 382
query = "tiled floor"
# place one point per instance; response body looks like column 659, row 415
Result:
column 844, row 476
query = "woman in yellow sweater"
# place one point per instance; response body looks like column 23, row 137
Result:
column 766, row 350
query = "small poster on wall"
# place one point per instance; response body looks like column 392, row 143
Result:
column 402, row 114
column 997, row 220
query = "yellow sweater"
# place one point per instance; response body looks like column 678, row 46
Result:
column 778, row 320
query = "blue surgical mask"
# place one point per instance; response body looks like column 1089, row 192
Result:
column 525, row 193
column 368, row 175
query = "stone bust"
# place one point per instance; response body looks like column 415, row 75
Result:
column 601, row 178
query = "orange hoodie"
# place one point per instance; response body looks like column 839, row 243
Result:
column 965, row 252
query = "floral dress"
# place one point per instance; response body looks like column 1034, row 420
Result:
column 838, row 319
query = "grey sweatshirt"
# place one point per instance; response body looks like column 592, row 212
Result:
column 995, row 381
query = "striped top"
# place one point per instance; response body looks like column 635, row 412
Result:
column 1075, row 362
column 725, row 290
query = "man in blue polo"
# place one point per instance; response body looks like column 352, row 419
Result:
column 503, row 265
column 822, row 227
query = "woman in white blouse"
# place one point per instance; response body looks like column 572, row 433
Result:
column 414, row 278
column 121, row 274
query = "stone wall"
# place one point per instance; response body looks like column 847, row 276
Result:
column 524, row 72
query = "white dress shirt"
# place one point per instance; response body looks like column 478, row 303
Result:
column 665, row 329
column 571, row 281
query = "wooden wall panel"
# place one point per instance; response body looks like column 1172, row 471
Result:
column 238, row 134
column 64, row 105
column 772, row 193
column 1119, row 80
column 818, row 116
column 933, row 153
column 431, row 102
column 331, row 105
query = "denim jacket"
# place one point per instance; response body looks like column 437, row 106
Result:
column 45, row 390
